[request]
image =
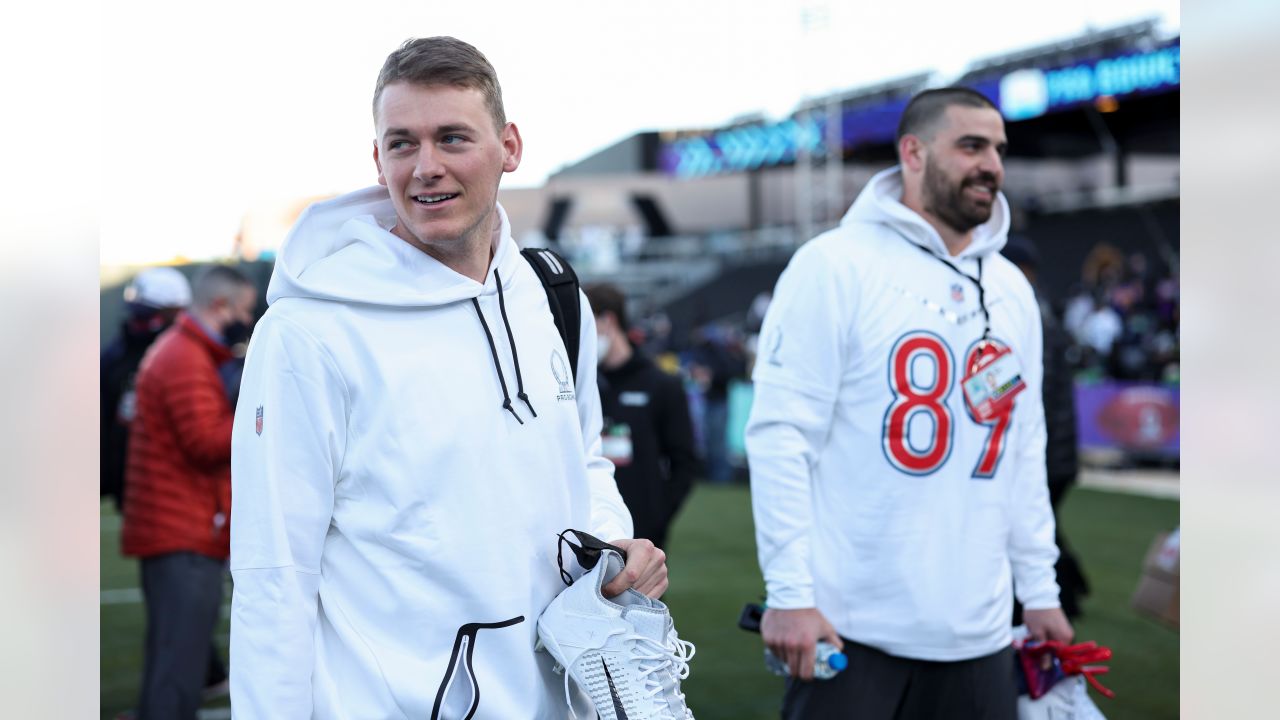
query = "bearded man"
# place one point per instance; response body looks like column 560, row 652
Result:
column 899, row 498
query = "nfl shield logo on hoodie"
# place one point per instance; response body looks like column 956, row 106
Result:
column 957, row 292
column 257, row 423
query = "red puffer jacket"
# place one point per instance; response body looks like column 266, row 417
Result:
column 178, row 472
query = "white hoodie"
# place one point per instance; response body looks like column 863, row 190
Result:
column 902, row 550
column 393, row 525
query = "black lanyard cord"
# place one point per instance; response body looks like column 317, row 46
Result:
column 977, row 281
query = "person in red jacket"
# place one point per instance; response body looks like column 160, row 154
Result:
column 178, row 472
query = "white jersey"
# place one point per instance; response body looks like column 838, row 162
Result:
column 393, row 524
column 878, row 498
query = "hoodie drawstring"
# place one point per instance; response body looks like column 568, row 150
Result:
column 493, row 350
column 515, row 356
column 506, row 398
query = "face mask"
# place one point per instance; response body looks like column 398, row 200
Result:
column 236, row 333
column 603, row 343
column 146, row 323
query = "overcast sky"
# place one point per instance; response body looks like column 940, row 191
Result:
column 216, row 109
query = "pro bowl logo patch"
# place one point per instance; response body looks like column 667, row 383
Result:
column 560, row 370
column 257, row 422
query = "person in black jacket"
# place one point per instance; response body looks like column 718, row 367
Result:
column 152, row 301
column 1061, row 449
column 648, row 434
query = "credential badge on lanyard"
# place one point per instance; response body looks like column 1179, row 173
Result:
column 993, row 380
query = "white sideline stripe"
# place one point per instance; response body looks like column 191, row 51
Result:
column 1155, row 484
column 218, row 713
column 123, row 596
column 133, row 596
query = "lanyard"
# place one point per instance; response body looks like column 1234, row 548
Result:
column 977, row 281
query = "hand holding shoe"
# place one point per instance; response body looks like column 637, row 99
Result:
column 645, row 571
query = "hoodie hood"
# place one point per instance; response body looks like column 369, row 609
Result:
column 343, row 249
column 881, row 202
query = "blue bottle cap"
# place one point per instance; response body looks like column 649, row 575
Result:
column 838, row 661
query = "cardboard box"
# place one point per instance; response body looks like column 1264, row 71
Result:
column 1157, row 593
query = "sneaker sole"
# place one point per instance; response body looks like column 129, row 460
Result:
column 547, row 643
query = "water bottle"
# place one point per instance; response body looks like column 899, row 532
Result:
column 826, row 663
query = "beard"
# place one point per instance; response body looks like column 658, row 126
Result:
column 949, row 203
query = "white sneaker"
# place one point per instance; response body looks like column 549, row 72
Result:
column 624, row 652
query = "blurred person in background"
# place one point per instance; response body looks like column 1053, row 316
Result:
column 1165, row 344
column 890, row 519
column 648, row 434
column 1099, row 331
column 1062, row 452
column 152, row 301
column 1103, row 267
column 178, row 502
column 715, row 360
column 409, row 439
column 657, row 335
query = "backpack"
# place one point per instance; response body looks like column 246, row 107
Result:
column 561, row 284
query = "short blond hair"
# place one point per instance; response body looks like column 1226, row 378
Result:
column 443, row 60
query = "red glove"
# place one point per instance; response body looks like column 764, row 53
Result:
column 1045, row 663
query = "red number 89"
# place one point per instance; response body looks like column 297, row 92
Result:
column 910, row 399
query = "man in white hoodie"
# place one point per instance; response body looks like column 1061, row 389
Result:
column 893, row 509
column 408, row 442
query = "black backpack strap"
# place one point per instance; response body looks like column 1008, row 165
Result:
column 561, row 284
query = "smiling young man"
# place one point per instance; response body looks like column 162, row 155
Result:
column 897, row 498
column 441, row 157
column 404, row 453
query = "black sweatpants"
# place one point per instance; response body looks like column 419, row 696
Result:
column 878, row 686
column 183, row 595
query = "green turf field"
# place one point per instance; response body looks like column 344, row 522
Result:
column 714, row 571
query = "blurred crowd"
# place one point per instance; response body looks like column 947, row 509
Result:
column 1123, row 319
column 710, row 360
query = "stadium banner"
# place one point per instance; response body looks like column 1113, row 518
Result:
column 768, row 144
column 1134, row 417
column 1039, row 86
column 1033, row 91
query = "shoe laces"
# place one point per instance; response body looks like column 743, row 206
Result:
column 675, row 655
